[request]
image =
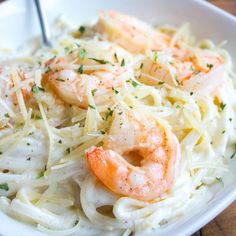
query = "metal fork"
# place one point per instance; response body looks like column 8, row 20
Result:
column 43, row 24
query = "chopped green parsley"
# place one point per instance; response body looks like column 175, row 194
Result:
column 91, row 106
column 222, row 106
column 4, row 186
column 233, row 155
column 81, row 69
column 48, row 69
column 155, row 57
column 41, row 174
column 82, row 29
column 101, row 61
column 60, row 79
column 93, row 91
column 161, row 82
column 220, row 180
column 196, row 72
column 76, row 222
column 176, row 79
column 82, row 53
column 123, row 62
column 115, row 91
column 133, row 82
column 116, row 58
column 109, row 113
column 210, row 66
column 36, row 89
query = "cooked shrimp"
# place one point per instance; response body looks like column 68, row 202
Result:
column 132, row 34
column 203, row 60
column 93, row 67
column 132, row 136
column 73, row 86
column 193, row 73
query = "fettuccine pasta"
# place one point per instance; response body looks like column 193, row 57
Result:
column 119, row 128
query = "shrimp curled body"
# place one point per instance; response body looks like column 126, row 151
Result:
column 73, row 87
column 130, row 33
column 155, row 144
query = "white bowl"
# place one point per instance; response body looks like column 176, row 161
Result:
column 18, row 22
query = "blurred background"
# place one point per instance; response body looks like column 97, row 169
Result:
column 228, row 5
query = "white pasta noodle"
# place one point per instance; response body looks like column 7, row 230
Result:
column 45, row 179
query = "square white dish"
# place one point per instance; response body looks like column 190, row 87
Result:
column 18, row 23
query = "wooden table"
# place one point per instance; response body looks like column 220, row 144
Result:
column 225, row 223
column 227, row 5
